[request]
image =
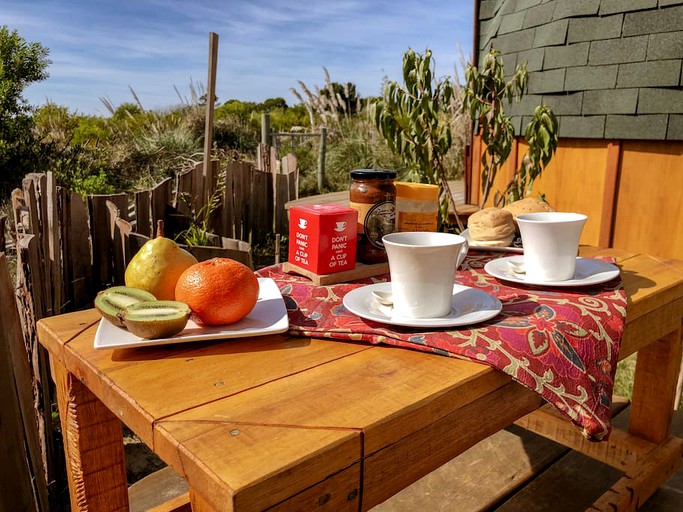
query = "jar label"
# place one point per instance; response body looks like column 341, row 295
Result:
column 362, row 209
column 380, row 220
column 416, row 221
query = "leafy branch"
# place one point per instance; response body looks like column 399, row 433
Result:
column 414, row 121
column 483, row 99
column 541, row 134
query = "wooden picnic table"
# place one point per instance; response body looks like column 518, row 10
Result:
column 289, row 423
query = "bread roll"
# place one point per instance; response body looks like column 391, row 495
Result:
column 527, row 205
column 491, row 227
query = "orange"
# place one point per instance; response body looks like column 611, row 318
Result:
column 219, row 291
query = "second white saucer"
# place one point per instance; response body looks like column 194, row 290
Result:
column 468, row 306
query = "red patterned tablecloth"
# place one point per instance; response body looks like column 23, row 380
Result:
column 562, row 343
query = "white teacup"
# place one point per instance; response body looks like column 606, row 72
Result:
column 422, row 267
column 551, row 244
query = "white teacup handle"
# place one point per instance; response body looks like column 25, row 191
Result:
column 464, row 249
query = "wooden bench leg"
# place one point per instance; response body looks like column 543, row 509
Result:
column 199, row 504
column 93, row 446
column 634, row 488
column 654, row 388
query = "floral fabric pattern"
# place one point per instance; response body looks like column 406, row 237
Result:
column 562, row 343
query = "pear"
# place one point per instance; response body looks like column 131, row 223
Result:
column 158, row 265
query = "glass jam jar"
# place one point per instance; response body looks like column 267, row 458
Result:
column 373, row 196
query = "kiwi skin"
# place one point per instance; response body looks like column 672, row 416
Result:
column 114, row 300
column 156, row 319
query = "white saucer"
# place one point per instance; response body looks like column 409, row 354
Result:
column 475, row 247
column 588, row 272
column 468, row 306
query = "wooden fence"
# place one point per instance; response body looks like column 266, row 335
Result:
column 68, row 248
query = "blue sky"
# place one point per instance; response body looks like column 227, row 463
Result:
column 99, row 48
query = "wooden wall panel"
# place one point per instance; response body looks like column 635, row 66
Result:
column 575, row 182
column 649, row 210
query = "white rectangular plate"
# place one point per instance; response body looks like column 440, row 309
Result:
column 269, row 316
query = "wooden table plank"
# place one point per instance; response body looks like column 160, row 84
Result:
column 387, row 393
column 254, row 466
column 200, row 372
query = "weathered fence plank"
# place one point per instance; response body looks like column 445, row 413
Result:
column 290, row 167
column 123, row 230
column 101, row 232
column 28, row 295
column 52, row 233
column 261, row 205
column 238, row 250
column 20, row 211
column 162, row 195
column 185, row 198
column 226, row 210
column 242, row 177
column 118, row 258
column 38, row 211
column 76, row 237
column 61, row 225
column 21, row 473
column 143, row 211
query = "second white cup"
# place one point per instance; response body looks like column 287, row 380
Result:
column 422, row 267
column 551, row 244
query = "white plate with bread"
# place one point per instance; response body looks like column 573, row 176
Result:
column 495, row 229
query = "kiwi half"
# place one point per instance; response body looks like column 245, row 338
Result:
column 156, row 319
column 114, row 300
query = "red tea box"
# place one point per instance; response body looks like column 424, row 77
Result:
column 322, row 238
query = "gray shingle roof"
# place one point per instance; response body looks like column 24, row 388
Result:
column 609, row 68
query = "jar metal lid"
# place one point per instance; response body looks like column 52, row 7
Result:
column 373, row 174
column 419, row 191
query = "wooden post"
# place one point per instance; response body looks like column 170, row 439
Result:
column 321, row 159
column 654, row 387
column 265, row 129
column 210, row 100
